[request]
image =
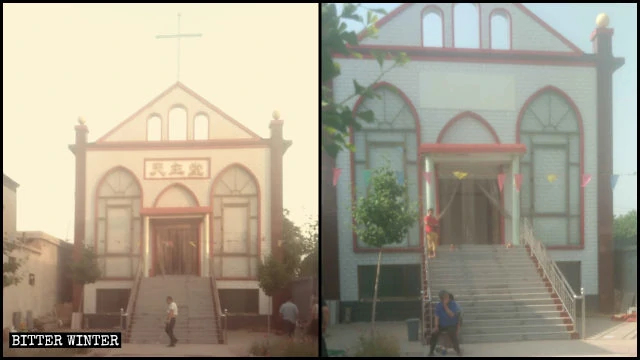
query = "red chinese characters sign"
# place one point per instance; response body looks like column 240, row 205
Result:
column 176, row 169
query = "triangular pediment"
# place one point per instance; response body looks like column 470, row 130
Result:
column 220, row 125
column 403, row 27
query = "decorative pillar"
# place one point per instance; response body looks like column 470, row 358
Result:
column 207, row 254
column 147, row 256
column 605, row 67
column 277, row 148
column 80, row 152
column 430, row 189
column 515, row 202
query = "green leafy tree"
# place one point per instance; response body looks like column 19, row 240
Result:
column 273, row 276
column 10, row 267
column 309, row 265
column 384, row 217
column 337, row 117
column 292, row 245
column 85, row 270
column 625, row 227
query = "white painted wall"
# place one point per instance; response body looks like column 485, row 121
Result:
column 404, row 29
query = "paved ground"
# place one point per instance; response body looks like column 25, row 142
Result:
column 604, row 338
column 238, row 346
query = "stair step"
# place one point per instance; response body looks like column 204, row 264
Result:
column 503, row 323
column 514, row 336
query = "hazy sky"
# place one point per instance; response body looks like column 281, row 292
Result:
column 576, row 22
column 102, row 62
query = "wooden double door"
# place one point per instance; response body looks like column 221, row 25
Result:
column 176, row 248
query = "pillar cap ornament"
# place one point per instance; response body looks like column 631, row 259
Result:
column 602, row 21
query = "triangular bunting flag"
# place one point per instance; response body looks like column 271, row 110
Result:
column 460, row 175
column 585, row 179
column 614, row 181
column 518, row 180
column 427, row 177
column 336, row 175
column 400, row 177
column 366, row 174
column 501, row 178
column 552, row 177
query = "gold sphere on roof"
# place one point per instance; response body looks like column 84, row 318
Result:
column 602, row 21
column 81, row 121
column 276, row 115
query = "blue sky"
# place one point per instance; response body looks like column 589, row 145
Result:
column 576, row 22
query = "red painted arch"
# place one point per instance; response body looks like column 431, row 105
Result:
column 96, row 210
column 416, row 117
column 507, row 15
column 465, row 115
column 176, row 185
column 429, row 9
column 574, row 107
column 259, row 198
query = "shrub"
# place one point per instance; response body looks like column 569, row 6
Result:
column 378, row 346
column 284, row 347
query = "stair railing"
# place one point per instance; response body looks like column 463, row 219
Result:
column 133, row 296
column 552, row 273
column 425, row 294
column 222, row 331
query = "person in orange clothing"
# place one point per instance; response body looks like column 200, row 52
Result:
column 431, row 227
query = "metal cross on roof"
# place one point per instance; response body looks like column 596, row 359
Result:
column 178, row 36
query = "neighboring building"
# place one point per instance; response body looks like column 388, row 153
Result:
column 177, row 187
column 9, row 205
column 44, row 279
column 539, row 107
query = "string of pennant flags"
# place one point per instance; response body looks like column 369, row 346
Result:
column 517, row 178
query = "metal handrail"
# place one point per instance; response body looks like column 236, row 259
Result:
column 217, row 306
column 426, row 298
column 132, row 298
column 551, row 271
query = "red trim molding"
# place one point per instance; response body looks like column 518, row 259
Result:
column 416, row 118
column 177, row 145
column 507, row 16
column 466, row 115
column 431, row 9
column 191, row 93
column 574, row 107
column 176, row 185
column 201, row 210
column 473, row 148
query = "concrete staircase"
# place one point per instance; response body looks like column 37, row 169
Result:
column 502, row 294
column 196, row 322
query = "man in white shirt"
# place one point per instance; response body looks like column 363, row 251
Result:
column 172, row 313
column 289, row 313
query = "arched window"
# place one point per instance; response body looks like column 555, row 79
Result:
column 432, row 27
column 154, row 128
column 391, row 140
column 201, row 127
column 500, row 30
column 118, row 224
column 550, row 192
column 466, row 26
column 178, row 124
column 236, row 238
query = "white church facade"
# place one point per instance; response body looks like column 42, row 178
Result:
column 528, row 127
column 179, row 188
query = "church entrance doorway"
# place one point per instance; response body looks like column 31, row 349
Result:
column 470, row 211
column 176, row 248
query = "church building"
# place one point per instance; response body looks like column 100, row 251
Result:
column 178, row 190
column 491, row 137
